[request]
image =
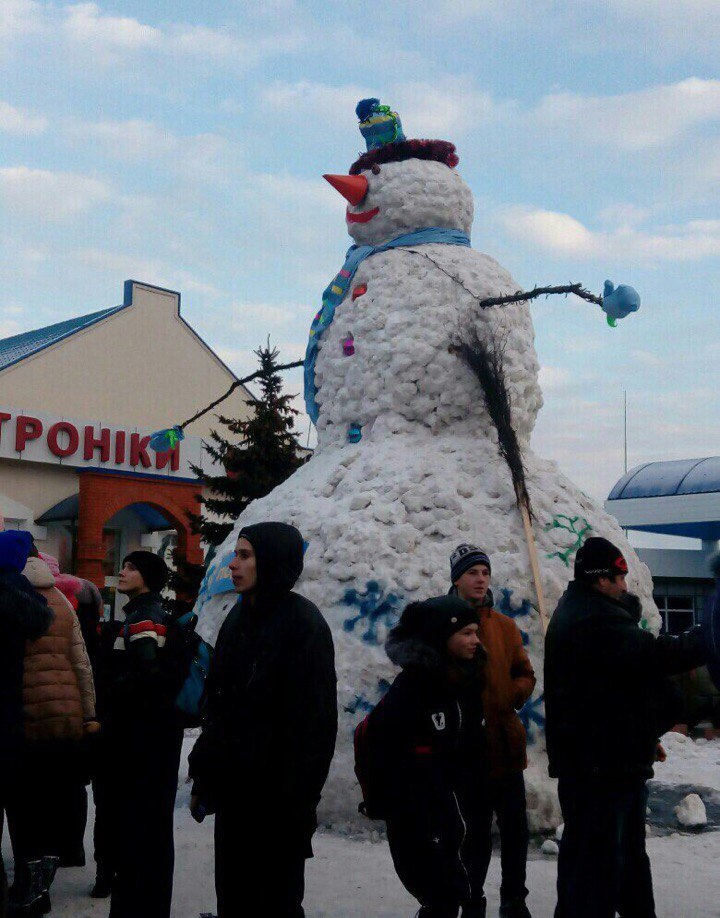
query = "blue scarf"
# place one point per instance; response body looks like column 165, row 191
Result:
column 336, row 290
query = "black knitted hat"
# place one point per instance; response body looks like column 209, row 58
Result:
column 152, row 568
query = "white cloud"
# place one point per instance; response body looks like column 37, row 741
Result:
column 426, row 109
column 554, row 379
column 85, row 24
column 322, row 99
column 20, row 122
column 266, row 313
column 562, row 235
column 146, row 269
column 51, row 195
column 18, row 18
column 652, row 117
column 9, row 327
column 681, row 23
column 137, row 140
column 548, row 230
column 109, row 38
column 648, row 359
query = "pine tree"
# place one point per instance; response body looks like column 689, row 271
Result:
column 263, row 452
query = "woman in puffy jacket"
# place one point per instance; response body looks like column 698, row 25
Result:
column 427, row 757
column 59, row 709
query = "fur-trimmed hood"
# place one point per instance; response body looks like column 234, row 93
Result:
column 409, row 650
column 39, row 574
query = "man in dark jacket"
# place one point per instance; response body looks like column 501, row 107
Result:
column 141, row 742
column 607, row 701
column 428, row 758
column 269, row 730
column 24, row 616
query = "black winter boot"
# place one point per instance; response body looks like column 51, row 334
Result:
column 514, row 909
column 103, row 884
column 48, row 869
column 27, row 894
column 475, row 909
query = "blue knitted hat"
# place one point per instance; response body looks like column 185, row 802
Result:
column 14, row 550
column 378, row 125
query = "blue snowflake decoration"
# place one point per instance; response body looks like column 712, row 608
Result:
column 506, row 607
column 532, row 715
column 363, row 704
column 375, row 609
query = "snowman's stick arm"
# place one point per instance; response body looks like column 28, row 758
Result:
column 524, row 295
column 521, row 296
column 233, row 387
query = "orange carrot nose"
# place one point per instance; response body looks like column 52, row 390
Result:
column 352, row 187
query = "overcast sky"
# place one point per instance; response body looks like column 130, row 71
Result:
column 182, row 144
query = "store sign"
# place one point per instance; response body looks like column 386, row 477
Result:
column 34, row 437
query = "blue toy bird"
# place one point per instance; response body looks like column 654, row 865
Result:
column 163, row 440
column 618, row 302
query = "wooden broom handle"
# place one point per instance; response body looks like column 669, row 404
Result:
column 534, row 564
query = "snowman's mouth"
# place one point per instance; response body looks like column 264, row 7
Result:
column 363, row 217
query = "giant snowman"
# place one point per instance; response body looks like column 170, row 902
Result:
column 407, row 464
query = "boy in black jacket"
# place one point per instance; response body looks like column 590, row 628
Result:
column 427, row 740
column 141, row 742
column 269, row 729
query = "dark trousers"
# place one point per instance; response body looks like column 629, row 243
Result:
column 3, row 875
column 45, row 805
column 102, row 827
column 440, row 858
column 259, row 863
column 603, row 868
column 143, row 774
column 507, row 802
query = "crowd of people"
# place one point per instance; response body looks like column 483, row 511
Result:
column 439, row 757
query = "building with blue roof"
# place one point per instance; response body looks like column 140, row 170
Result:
column 679, row 497
column 78, row 401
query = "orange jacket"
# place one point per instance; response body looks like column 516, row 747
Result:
column 510, row 680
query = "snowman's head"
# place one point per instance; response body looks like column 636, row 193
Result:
column 389, row 199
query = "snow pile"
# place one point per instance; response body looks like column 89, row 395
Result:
column 691, row 812
column 696, row 763
column 382, row 516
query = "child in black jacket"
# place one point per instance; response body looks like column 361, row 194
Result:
column 426, row 741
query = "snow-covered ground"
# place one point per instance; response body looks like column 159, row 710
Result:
column 690, row 762
column 351, row 878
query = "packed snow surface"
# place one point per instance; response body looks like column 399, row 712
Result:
column 354, row 878
column 382, row 516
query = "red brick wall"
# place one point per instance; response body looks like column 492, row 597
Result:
column 103, row 495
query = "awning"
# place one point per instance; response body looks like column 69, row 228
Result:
column 68, row 510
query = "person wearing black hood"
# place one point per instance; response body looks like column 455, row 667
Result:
column 141, row 741
column 269, row 729
column 428, row 754
column 24, row 616
column 608, row 700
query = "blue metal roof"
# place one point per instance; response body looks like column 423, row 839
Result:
column 18, row 347
column 666, row 479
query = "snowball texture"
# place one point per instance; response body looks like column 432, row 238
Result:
column 382, row 516
column 690, row 812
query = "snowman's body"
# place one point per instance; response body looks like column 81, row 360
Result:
column 383, row 515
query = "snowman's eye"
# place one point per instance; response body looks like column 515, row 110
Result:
column 376, row 169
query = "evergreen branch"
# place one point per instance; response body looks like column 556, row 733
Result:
column 233, row 387
column 521, row 296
